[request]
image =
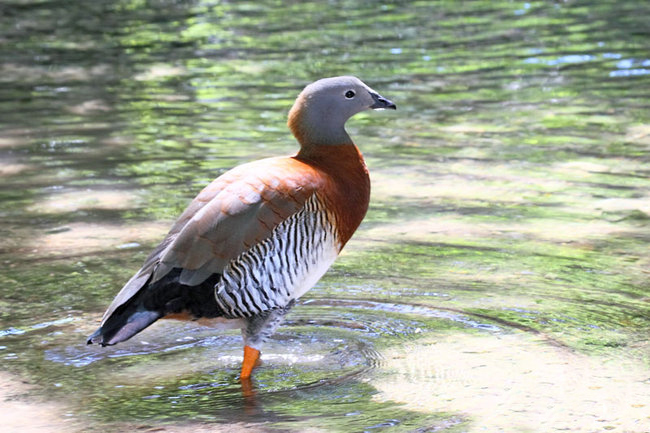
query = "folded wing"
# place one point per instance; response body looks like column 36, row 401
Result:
column 234, row 213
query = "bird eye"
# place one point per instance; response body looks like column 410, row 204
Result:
column 350, row 94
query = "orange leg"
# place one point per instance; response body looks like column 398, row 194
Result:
column 251, row 356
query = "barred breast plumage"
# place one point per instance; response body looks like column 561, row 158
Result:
column 261, row 235
column 282, row 267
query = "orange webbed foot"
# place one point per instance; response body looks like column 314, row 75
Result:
column 251, row 360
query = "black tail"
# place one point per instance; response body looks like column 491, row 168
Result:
column 120, row 327
column 153, row 301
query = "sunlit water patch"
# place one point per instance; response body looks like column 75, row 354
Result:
column 501, row 272
column 517, row 383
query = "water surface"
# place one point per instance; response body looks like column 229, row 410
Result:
column 499, row 282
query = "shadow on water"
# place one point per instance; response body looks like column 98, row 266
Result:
column 501, row 273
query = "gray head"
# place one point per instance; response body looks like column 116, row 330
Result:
column 319, row 114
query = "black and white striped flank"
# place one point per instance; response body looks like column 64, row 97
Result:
column 282, row 267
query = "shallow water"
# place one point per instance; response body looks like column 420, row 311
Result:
column 499, row 282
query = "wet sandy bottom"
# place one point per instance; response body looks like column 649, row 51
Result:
column 512, row 383
column 495, row 382
column 22, row 413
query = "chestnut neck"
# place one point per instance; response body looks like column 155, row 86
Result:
column 347, row 191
